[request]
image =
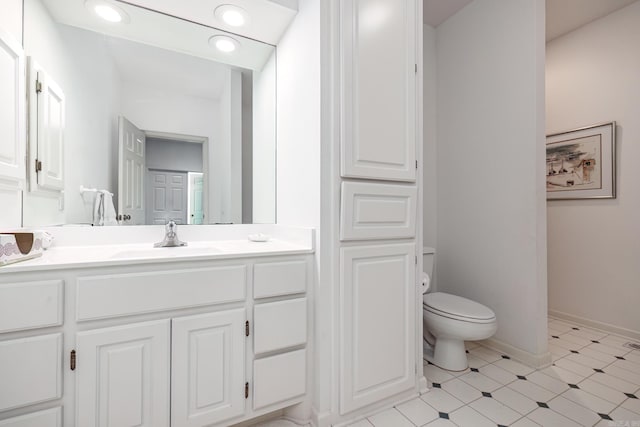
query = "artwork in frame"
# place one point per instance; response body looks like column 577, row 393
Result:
column 581, row 163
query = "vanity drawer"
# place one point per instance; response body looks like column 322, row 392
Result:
column 279, row 278
column 30, row 370
column 47, row 418
column 279, row 325
column 377, row 211
column 30, row 305
column 279, row 378
column 114, row 295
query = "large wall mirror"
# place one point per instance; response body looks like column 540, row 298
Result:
column 161, row 118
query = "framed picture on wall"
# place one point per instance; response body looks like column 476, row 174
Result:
column 581, row 163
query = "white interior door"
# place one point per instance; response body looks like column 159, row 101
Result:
column 196, row 193
column 207, row 368
column 131, row 167
column 12, row 135
column 166, row 194
column 123, row 376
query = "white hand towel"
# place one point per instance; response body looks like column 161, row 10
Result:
column 98, row 209
column 109, row 213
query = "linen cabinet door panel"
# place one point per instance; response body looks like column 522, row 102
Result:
column 30, row 370
column 207, row 368
column 377, row 291
column 47, row 418
column 378, row 93
column 123, row 376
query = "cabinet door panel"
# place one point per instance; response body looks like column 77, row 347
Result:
column 207, row 368
column 377, row 351
column 123, row 376
column 379, row 100
column 12, row 112
column 47, row 418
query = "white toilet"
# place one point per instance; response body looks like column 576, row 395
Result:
column 449, row 321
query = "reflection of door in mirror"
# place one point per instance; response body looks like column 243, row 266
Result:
column 131, row 165
column 166, row 195
column 196, row 214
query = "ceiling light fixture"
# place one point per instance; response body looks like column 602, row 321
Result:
column 108, row 11
column 232, row 15
column 224, row 44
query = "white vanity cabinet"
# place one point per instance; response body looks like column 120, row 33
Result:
column 180, row 344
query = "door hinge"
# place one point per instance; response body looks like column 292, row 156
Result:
column 72, row 360
column 38, row 165
column 416, row 68
column 246, row 328
column 416, row 259
column 38, row 86
column 246, row 390
column 416, row 164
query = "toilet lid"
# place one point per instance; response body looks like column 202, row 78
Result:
column 457, row 306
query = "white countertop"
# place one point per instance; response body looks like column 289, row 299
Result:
column 89, row 247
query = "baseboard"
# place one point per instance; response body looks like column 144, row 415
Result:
column 605, row 327
column 537, row 361
column 320, row 419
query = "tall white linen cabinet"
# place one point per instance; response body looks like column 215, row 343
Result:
column 372, row 116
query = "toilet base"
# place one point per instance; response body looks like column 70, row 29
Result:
column 449, row 354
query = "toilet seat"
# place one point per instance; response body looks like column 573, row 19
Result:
column 457, row 308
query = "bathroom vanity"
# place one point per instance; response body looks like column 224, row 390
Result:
column 134, row 335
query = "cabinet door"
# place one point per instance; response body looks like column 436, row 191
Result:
column 207, row 368
column 377, row 291
column 12, row 129
column 123, row 376
column 378, row 90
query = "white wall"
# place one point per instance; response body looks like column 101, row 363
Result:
column 592, row 76
column 430, row 82
column 264, row 143
column 491, row 240
column 11, row 199
column 173, row 155
column 77, row 60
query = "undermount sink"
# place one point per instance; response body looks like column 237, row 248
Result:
column 165, row 252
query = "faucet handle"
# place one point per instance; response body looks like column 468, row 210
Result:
column 171, row 226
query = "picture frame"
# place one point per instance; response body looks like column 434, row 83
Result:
column 581, row 163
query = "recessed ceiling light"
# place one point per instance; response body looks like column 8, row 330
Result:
column 108, row 11
column 224, row 44
column 232, row 15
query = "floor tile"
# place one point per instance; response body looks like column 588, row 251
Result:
column 574, row 367
column 589, row 400
column 563, row 375
column 552, row 384
column 590, row 334
column 587, row 361
column 550, row 418
column 567, row 345
column 615, row 382
column 525, row 422
column 441, row 423
column 417, row 411
column 513, row 367
column 441, row 401
column 573, row 411
column 461, row 390
column 628, row 365
column 598, row 355
column 498, row 374
column 467, row 417
column 557, row 350
column 469, row 345
column 495, row 410
column 516, row 401
column 486, row 354
column 623, row 415
column 633, row 356
column 611, row 349
column 475, row 362
column 602, row 391
column 282, row 423
column 632, row 405
column 435, row 374
column 576, row 341
column 480, row 382
column 623, row 374
column 361, row 423
column 532, row 391
column 615, row 340
column 390, row 418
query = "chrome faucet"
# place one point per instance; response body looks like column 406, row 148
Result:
column 170, row 237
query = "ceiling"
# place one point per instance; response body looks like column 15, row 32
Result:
column 562, row 16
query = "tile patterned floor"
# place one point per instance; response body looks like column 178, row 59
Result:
column 594, row 381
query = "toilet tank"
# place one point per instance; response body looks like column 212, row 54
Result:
column 427, row 261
